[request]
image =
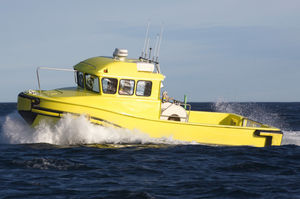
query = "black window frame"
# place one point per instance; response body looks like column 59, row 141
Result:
column 145, row 89
column 132, row 87
column 103, row 88
column 78, row 79
column 86, row 83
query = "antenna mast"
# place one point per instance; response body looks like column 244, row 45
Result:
column 158, row 48
column 144, row 52
column 155, row 48
column 146, row 49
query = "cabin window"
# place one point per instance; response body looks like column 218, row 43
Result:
column 126, row 87
column 92, row 83
column 109, row 85
column 80, row 79
column 143, row 88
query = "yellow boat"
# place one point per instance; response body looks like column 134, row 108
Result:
column 126, row 93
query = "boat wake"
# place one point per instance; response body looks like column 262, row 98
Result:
column 291, row 138
column 72, row 130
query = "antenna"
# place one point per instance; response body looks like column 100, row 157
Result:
column 160, row 37
column 155, row 47
column 147, row 50
column 150, row 49
column 144, row 52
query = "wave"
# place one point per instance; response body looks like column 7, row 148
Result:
column 47, row 163
column 72, row 130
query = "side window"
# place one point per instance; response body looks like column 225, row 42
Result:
column 109, row 85
column 126, row 87
column 80, row 79
column 143, row 88
column 92, row 83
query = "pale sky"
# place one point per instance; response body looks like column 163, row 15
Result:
column 231, row 50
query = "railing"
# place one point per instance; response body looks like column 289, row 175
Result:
column 189, row 110
column 49, row 68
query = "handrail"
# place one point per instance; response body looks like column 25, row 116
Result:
column 49, row 68
column 190, row 107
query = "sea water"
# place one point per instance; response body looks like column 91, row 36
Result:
column 76, row 159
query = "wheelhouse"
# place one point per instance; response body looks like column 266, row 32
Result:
column 111, row 77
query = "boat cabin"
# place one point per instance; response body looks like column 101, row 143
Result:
column 129, row 86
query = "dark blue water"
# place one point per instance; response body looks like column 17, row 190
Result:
column 147, row 169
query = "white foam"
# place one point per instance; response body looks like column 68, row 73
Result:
column 72, row 130
column 291, row 137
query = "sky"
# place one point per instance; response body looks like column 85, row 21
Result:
column 213, row 50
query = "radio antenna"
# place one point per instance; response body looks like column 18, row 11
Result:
column 144, row 52
column 150, row 49
column 158, row 48
column 147, row 50
column 160, row 37
column 155, row 47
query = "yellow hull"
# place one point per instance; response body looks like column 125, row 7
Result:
column 34, row 109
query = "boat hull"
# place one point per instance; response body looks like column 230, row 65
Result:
column 35, row 109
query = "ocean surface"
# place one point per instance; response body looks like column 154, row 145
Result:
column 75, row 159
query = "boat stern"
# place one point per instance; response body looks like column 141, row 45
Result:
column 272, row 138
